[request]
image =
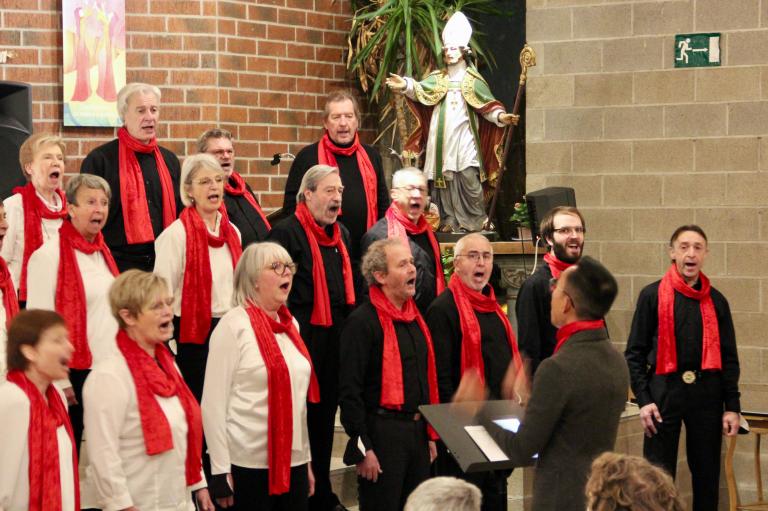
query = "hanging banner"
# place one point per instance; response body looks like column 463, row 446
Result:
column 94, row 61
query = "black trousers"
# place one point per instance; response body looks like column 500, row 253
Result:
column 252, row 490
column 493, row 483
column 323, row 346
column 403, row 452
column 700, row 407
column 77, row 378
column 192, row 358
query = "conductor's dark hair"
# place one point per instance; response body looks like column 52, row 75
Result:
column 592, row 289
column 685, row 228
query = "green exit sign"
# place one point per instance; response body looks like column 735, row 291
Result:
column 697, row 50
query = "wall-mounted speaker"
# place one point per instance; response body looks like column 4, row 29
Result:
column 15, row 128
column 542, row 201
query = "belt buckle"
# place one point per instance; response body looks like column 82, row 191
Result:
column 689, row 377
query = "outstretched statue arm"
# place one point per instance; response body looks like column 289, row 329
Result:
column 396, row 83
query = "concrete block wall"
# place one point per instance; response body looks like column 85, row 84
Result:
column 648, row 147
column 258, row 68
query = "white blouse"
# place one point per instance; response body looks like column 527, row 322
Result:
column 171, row 260
column 101, row 325
column 13, row 243
column 235, row 396
column 14, row 453
column 120, row 469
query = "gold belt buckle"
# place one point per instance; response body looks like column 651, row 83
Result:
column 689, row 377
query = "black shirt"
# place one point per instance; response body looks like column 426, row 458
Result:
column 353, row 203
column 245, row 217
column 104, row 162
column 362, row 343
column 443, row 321
column 535, row 332
column 643, row 338
column 290, row 234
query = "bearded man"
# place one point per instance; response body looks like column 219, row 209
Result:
column 563, row 230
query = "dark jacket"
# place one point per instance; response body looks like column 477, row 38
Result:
column 572, row 417
column 535, row 333
column 245, row 217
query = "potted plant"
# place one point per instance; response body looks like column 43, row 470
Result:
column 522, row 219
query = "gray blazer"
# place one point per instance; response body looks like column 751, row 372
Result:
column 572, row 417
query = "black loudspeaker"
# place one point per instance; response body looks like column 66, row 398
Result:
column 15, row 128
column 542, row 201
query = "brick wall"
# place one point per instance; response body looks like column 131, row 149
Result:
column 648, row 147
column 258, row 68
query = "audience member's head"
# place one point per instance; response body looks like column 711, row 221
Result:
column 444, row 494
column 620, row 482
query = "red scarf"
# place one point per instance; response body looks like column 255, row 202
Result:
column 198, row 280
column 666, row 357
column 162, row 379
column 279, row 402
column 316, row 236
column 239, row 190
column 556, row 266
column 44, row 419
column 392, row 366
column 467, row 302
column 399, row 225
column 10, row 301
column 326, row 155
column 34, row 212
column 70, row 292
column 565, row 332
column 133, row 195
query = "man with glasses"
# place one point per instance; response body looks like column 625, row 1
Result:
column 242, row 207
column 684, row 367
column 563, row 230
column 472, row 333
column 321, row 297
column 578, row 395
column 405, row 219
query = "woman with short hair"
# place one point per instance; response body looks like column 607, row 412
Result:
column 34, row 211
column 38, row 461
column 72, row 275
column 142, row 423
column 196, row 255
column 257, row 381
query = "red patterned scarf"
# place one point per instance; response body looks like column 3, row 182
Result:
column 162, row 379
column 556, row 266
column 70, row 291
column 326, row 155
column 316, row 236
column 10, row 301
column 44, row 419
column 399, row 225
column 666, row 357
column 279, row 402
column 133, row 195
column 239, row 190
column 467, row 302
column 565, row 332
column 34, row 212
column 198, row 280
column 392, row 366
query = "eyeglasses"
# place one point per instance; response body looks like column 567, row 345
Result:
column 280, row 268
column 207, row 181
column 475, row 256
column 422, row 189
column 570, row 230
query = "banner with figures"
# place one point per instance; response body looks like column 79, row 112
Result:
column 94, row 61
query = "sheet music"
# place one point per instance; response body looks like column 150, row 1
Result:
column 490, row 448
